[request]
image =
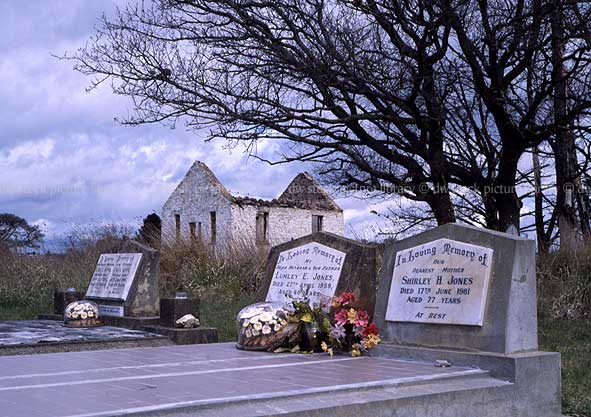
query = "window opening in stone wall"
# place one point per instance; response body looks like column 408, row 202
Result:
column 177, row 220
column 262, row 227
column 212, row 216
column 192, row 228
column 317, row 223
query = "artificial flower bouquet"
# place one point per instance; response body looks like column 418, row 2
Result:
column 300, row 327
column 351, row 330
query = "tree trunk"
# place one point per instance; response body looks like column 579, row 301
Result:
column 491, row 211
column 441, row 202
column 563, row 144
column 503, row 193
column 442, row 208
column 583, row 208
column 543, row 244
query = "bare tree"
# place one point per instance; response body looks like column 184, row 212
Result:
column 425, row 99
column 355, row 88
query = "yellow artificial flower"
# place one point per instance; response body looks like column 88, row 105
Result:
column 355, row 351
column 326, row 349
column 371, row 341
column 351, row 315
column 307, row 318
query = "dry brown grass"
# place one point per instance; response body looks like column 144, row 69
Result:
column 195, row 268
column 564, row 285
column 27, row 282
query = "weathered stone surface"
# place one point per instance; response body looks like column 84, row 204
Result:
column 188, row 321
column 40, row 332
column 218, row 380
column 142, row 298
column 198, row 335
column 357, row 274
column 510, row 319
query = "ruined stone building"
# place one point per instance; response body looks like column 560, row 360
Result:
column 202, row 209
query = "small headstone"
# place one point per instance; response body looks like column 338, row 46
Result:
column 125, row 281
column 319, row 266
column 61, row 298
column 458, row 286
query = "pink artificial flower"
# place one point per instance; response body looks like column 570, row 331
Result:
column 347, row 298
column 362, row 318
column 340, row 317
column 343, row 300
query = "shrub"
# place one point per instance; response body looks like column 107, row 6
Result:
column 231, row 272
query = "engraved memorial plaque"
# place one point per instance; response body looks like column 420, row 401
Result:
column 311, row 270
column 440, row 282
column 114, row 275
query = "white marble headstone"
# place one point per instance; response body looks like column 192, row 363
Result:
column 114, row 275
column 441, row 282
column 312, row 271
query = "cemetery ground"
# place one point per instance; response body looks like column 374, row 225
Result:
column 226, row 285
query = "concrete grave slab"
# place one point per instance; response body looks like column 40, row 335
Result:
column 218, row 380
column 42, row 336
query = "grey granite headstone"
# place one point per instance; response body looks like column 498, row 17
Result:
column 125, row 281
column 321, row 265
column 458, row 286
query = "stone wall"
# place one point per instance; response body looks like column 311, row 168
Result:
column 284, row 223
column 200, row 193
column 194, row 198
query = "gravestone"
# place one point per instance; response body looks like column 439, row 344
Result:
column 460, row 287
column 125, row 281
column 319, row 266
column 464, row 296
column 444, row 281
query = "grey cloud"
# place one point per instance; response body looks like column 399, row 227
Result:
column 64, row 160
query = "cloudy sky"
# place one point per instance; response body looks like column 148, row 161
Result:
column 65, row 161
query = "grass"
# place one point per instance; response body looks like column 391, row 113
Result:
column 13, row 310
column 220, row 312
column 572, row 338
